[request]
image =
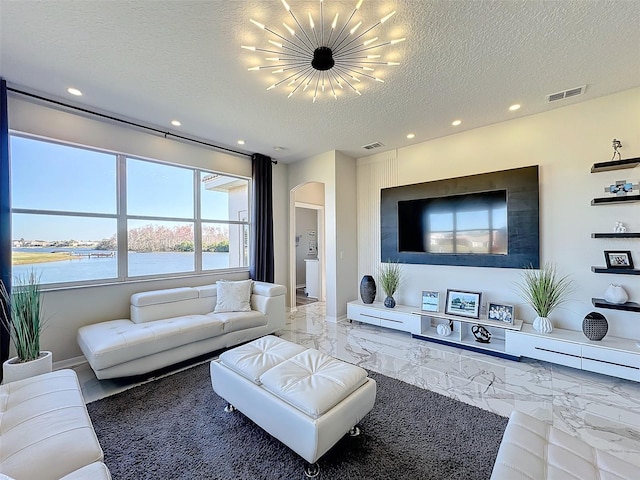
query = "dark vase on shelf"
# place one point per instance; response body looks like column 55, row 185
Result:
column 389, row 302
column 595, row 326
column 368, row 289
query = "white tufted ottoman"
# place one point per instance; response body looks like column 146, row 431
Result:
column 302, row 397
column 533, row 450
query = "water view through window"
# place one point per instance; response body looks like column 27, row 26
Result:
column 66, row 217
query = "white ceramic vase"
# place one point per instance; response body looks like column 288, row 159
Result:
column 443, row 330
column 616, row 294
column 12, row 370
column 542, row 325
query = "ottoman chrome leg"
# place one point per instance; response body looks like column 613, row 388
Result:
column 355, row 431
column 229, row 408
column 311, row 470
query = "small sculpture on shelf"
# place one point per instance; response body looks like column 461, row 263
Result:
column 619, row 228
column 621, row 188
column 616, row 294
column 616, row 144
column 444, row 330
column 482, row 334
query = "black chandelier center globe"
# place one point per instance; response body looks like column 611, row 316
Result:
column 323, row 59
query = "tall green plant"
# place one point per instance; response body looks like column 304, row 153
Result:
column 22, row 315
column 544, row 289
column 389, row 276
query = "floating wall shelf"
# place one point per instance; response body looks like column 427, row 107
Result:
column 620, row 199
column 616, row 235
column 618, row 271
column 627, row 307
column 615, row 165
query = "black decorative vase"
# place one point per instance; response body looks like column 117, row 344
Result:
column 595, row 326
column 368, row 289
column 389, row 302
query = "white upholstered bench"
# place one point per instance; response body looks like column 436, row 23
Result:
column 302, row 397
column 533, row 450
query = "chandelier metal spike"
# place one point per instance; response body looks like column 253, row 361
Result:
column 327, row 57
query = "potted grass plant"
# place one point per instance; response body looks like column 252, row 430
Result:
column 389, row 276
column 22, row 317
column 544, row 290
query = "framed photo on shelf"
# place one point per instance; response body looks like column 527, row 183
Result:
column 500, row 313
column 618, row 259
column 463, row 304
column 430, row 301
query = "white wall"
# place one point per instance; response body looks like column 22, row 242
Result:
column 565, row 142
column 39, row 119
column 310, row 193
column 346, row 233
column 69, row 309
column 281, row 223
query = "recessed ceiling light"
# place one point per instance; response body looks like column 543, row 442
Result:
column 175, row 123
column 240, row 142
column 514, row 107
column 455, row 123
column 74, row 91
column 411, row 135
column 278, row 149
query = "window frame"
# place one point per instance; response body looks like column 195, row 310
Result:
column 122, row 218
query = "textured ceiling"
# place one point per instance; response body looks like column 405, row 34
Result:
column 159, row 60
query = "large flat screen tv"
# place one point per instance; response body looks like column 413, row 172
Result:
column 488, row 220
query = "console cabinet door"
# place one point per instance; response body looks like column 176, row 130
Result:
column 363, row 314
column 399, row 321
column 611, row 362
column 547, row 349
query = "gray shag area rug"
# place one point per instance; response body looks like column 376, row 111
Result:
column 176, row 428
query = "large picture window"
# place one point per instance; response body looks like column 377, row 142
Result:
column 85, row 216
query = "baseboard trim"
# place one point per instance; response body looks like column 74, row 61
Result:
column 339, row 319
column 69, row 362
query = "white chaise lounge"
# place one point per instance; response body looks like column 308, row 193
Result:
column 169, row 326
column 304, row 398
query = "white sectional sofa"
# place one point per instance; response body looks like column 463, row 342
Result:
column 46, row 432
column 534, row 450
column 169, row 326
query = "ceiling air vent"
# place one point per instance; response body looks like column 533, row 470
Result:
column 373, row 145
column 572, row 92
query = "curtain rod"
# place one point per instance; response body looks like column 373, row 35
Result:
column 127, row 122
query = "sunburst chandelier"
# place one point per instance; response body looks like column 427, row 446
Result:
column 325, row 58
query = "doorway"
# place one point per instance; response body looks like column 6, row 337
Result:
column 307, row 256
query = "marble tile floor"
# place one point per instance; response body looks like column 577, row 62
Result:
column 601, row 410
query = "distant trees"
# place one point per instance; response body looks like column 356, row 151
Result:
column 107, row 244
column 158, row 238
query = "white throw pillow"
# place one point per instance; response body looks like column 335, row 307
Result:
column 233, row 296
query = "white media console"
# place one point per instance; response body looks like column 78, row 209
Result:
column 613, row 356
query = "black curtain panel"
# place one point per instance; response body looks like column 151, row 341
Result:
column 5, row 212
column 261, row 268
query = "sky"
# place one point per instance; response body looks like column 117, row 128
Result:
column 49, row 176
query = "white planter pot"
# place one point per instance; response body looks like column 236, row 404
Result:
column 616, row 294
column 542, row 325
column 13, row 370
